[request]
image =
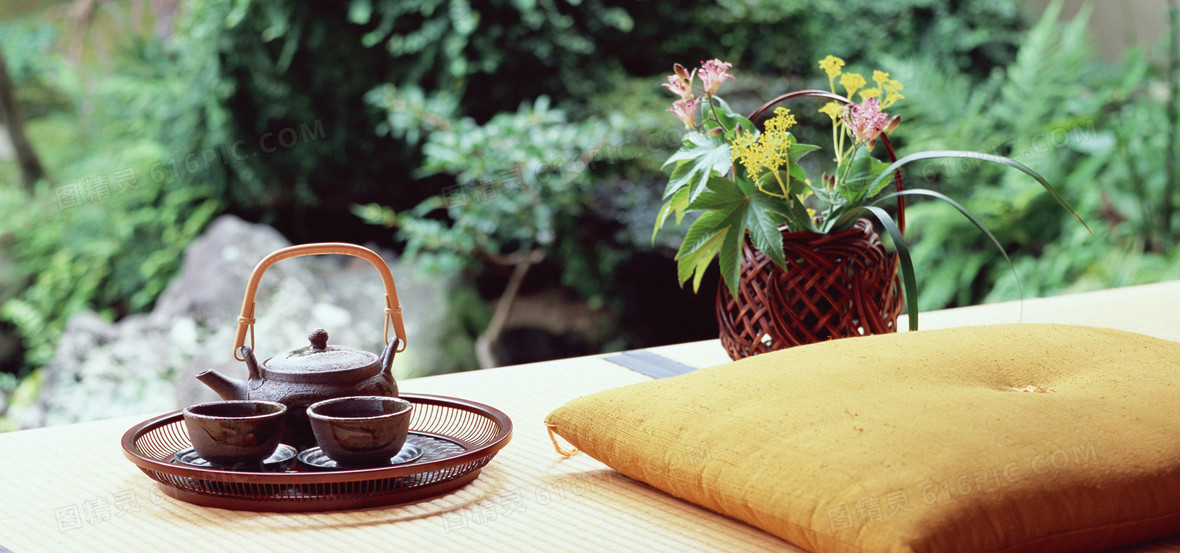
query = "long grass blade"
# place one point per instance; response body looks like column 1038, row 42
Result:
column 970, row 217
column 909, row 282
column 879, row 183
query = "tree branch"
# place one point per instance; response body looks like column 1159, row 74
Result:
column 10, row 115
column 486, row 341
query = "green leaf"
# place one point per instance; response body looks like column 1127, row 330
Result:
column 730, row 120
column 733, row 209
column 761, row 221
column 730, row 258
column 722, row 194
column 676, row 204
column 824, row 196
column 798, row 175
column 794, row 213
column 678, row 179
column 798, row 217
column 703, row 241
column 700, row 158
column 860, row 173
column 798, row 150
column 719, row 231
column 842, row 217
column 698, row 260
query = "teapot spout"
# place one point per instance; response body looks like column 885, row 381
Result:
column 227, row 388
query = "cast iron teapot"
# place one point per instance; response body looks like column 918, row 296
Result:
column 318, row 371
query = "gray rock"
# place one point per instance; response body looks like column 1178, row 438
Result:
column 148, row 363
column 216, row 267
column 103, row 370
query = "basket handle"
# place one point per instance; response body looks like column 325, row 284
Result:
column 897, row 179
column 393, row 310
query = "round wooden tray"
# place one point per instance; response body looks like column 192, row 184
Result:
column 469, row 434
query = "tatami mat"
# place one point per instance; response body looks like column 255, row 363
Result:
column 70, row 488
column 529, row 496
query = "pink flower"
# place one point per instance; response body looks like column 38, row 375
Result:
column 686, row 110
column 713, row 73
column 866, row 120
column 680, row 82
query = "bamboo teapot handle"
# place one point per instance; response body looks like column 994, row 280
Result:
column 393, row 310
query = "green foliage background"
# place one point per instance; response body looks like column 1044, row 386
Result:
column 1081, row 123
column 420, row 99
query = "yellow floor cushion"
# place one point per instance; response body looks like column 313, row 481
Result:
column 1008, row 438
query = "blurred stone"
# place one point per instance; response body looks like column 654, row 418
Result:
column 148, row 363
column 103, row 370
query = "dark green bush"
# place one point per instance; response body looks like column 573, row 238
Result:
column 280, row 88
column 787, row 36
column 495, row 54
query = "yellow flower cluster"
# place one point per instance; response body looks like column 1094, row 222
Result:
column 767, row 151
column 852, row 82
column 891, row 88
column 783, row 119
column 831, row 65
column 833, row 109
column 887, row 90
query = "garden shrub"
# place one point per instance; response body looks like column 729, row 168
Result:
column 1081, row 124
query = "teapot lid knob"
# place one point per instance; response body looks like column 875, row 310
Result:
column 318, row 339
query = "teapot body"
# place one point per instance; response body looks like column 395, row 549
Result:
column 302, row 377
column 297, row 396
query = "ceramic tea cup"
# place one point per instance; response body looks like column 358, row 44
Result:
column 360, row 431
column 229, row 433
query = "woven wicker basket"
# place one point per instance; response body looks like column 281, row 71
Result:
column 836, row 286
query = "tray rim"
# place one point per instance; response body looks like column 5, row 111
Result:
column 270, row 505
column 488, row 450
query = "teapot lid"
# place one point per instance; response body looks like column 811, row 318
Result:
column 320, row 358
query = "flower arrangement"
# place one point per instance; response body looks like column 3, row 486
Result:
column 747, row 184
